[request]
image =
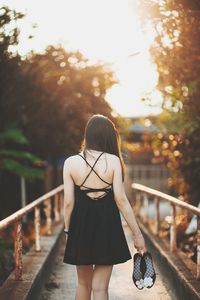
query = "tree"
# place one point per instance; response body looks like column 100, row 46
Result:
column 176, row 52
column 57, row 92
column 16, row 158
column 9, row 63
column 12, row 157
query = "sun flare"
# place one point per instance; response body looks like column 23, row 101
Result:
column 103, row 31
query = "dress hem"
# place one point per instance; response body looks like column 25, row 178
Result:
column 97, row 263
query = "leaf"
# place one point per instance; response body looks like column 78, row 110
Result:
column 20, row 154
column 21, row 170
column 13, row 135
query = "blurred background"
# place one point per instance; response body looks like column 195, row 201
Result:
column 137, row 62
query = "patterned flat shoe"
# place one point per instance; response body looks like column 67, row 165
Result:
column 137, row 275
column 149, row 275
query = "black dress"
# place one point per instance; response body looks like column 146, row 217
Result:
column 95, row 235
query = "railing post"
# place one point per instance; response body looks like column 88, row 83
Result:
column 198, row 248
column 48, row 216
column 173, row 228
column 37, row 229
column 56, row 208
column 18, row 249
column 157, row 200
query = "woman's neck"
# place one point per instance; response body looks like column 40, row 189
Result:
column 93, row 153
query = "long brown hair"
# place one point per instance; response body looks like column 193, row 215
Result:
column 102, row 135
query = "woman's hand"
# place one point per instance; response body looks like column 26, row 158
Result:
column 139, row 243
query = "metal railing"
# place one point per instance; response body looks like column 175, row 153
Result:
column 143, row 193
column 16, row 220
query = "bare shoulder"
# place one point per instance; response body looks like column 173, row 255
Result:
column 71, row 161
column 114, row 160
column 113, row 157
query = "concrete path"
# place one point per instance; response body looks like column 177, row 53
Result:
column 61, row 284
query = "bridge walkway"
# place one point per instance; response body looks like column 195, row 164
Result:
column 61, row 284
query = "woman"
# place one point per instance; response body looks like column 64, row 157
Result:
column 93, row 197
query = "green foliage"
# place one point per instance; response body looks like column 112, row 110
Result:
column 19, row 154
column 176, row 52
column 13, row 135
column 17, row 161
column 20, row 169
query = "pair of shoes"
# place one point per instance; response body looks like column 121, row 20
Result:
column 144, row 274
column 137, row 275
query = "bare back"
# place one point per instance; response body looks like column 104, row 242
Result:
column 99, row 177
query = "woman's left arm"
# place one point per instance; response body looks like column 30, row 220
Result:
column 68, row 193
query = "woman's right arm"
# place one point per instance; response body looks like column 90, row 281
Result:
column 68, row 193
column 125, row 207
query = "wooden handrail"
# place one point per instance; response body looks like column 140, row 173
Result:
column 167, row 197
column 142, row 190
column 28, row 208
column 16, row 220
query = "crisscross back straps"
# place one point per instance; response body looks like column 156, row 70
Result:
column 92, row 169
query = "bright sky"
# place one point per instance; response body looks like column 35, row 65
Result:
column 103, row 30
